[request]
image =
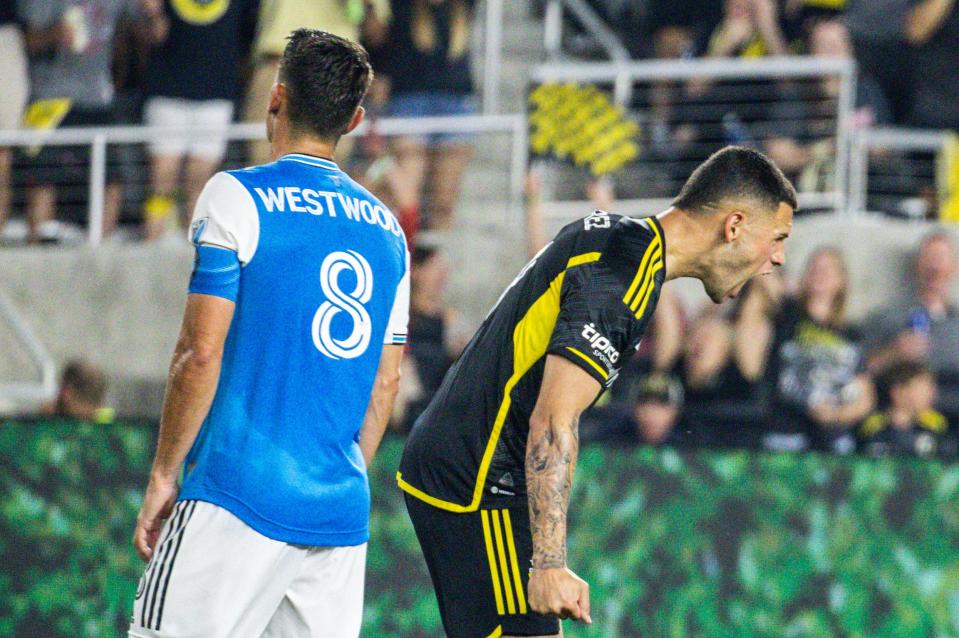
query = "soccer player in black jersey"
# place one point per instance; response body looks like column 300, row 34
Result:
column 489, row 465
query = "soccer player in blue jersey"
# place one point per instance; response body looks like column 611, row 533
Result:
column 282, row 380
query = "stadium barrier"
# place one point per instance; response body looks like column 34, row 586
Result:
column 898, row 171
column 673, row 542
column 497, row 168
column 685, row 109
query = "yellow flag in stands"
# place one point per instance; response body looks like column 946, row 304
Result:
column 582, row 124
column 45, row 115
column 947, row 178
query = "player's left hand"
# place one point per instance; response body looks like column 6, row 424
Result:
column 158, row 502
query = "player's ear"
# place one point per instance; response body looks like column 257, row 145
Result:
column 277, row 95
column 733, row 225
column 355, row 121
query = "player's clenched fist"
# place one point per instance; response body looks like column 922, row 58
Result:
column 559, row 592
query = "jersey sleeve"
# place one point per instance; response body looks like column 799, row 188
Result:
column 226, row 217
column 400, row 314
column 604, row 310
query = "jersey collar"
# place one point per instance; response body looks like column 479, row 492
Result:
column 311, row 160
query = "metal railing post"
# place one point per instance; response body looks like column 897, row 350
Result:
column 98, row 183
column 520, row 161
column 553, row 29
column 845, row 108
column 494, row 54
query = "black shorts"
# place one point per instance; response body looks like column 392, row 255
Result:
column 479, row 563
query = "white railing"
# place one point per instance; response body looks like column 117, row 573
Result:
column 868, row 142
column 625, row 77
column 589, row 19
column 45, row 387
column 100, row 138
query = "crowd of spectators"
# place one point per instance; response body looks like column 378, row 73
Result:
column 201, row 65
column 784, row 369
column 905, row 52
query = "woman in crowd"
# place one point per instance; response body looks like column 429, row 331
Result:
column 810, row 355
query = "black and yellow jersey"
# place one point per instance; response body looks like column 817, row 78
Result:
column 587, row 296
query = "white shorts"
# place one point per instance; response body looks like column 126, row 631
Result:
column 13, row 77
column 212, row 576
column 177, row 113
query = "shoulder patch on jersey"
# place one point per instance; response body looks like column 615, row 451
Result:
column 197, row 228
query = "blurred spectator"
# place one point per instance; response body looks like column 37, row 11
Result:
column 82, row 393
column 811, row 356
column 722, row 406
column 427, row 60
column 797, row 15
column 363, row 21
column 16, row 86
column 433, row 337
column 907, row 423
column 932, row 27
column 925, row 325
column 877, row 29
column 70, row 45
column 800, row 134
column 749, row 29
column 648, row 417
column 187, row 89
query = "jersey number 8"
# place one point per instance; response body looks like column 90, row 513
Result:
column 338, row 300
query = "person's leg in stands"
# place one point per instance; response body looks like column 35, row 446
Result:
column 41, row 208
column 447, row 164
column 205, row 154
column 406, row 181
column 6, row 161
column 166, row 158
column 112, row 200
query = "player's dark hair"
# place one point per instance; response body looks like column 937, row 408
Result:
column 326, row 78
column 897, row 374
column 736, row 172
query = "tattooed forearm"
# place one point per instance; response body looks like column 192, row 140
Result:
column 550, row 461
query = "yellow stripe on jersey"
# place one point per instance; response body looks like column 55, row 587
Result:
column 585, row 258
column 656, row 258
column 649, row 293
column 503, row 567
column 641, row 271
column 595, row 365
column 648, row 278
column 492, row 562
column 530, row 340
column 496, row 632
column 520, row 596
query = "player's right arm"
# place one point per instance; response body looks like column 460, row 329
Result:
column 551, row 452
column 225, row 232
column 192, row 382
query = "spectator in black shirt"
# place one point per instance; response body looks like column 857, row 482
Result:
column 722, row 406
column 192, row 80
column 648, row 417
column 811, row 356
column 908, row 423
column 427, row 59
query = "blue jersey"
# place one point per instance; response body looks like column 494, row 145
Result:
column 318, row 269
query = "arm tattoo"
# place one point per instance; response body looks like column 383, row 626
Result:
column 550, row 463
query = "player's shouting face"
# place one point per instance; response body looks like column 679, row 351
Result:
column 753, row 243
